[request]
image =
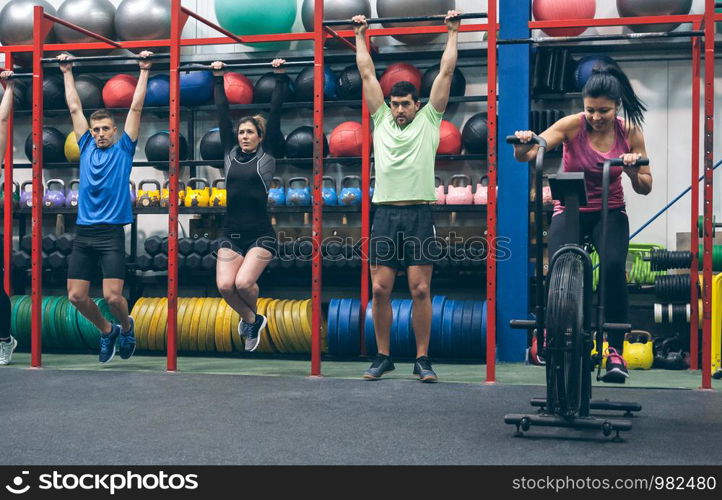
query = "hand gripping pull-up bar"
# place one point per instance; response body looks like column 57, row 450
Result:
column 204, row 67
column 414, row 19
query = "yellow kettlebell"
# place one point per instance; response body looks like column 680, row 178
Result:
column 148, row 197
column 638, row 350
column 197, row 197
column 605, row 346
column 165, row 194
column 218, row 195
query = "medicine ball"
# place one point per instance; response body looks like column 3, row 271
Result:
column 458, row 82
column 71, row 148
column 449, row 139
column 18, row 94
column 211, row 147
column 346, row 140
column 158, row 91
column 299, row 144
column 90, row 90
column 304, row 84
column 53, row 146
column 263, row 90
column 239, row 89
column 196, row 87
column 118, row 91
column 474, row 134
column 585, row 66
column 350, row 84
column 53, row 93
column 399, row 72
column 157, row 148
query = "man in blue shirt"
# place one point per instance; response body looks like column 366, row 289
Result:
column 104, row 208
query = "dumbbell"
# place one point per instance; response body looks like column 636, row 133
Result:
column 164, row 245
column 160, row 262
column 303, row 249
column 181, row 261
column 208, row 261
column 193, row 261
column 64, row 243
column 49, row 243
column 202, row 246
column 185, row 246
column 153, row 245
column 21, row 259
column 26, row 243
column 215, row 245
column 144, row 262
column 57, row 260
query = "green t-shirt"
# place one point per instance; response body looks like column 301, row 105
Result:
column 404, row 158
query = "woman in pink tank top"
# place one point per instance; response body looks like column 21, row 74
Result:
column 591, row 137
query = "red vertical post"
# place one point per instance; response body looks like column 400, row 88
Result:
column 8, row 213
column 365, row 214
column 491, row 206
column 37, row 210
column 317, row 229
column 694, row 235
column 709, row 32
column 173, row 168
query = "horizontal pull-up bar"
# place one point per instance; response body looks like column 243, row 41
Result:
column 129, row 57
column 203, row 67
column 627, row 36
column 380, row 20
column 19, row 76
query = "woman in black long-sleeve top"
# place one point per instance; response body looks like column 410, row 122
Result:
column 249, row 241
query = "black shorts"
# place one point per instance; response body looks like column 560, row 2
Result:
column 403, row 236
column 242, row 241
column 94, row 244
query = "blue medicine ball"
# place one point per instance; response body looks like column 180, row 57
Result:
column 196, row 87
column 585, row 67
column 158, row 93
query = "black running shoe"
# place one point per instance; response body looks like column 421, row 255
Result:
column 380, row 365
column 423, row 369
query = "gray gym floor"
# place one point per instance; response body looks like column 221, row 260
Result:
column 56, row 416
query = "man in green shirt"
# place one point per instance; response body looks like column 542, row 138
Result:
column 403, row 235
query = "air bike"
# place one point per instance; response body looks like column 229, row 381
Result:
column 564, row 309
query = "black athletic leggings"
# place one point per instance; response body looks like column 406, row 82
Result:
column 617, row 244
column 4, row 300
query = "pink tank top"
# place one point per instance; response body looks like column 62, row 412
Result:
column 580, row 156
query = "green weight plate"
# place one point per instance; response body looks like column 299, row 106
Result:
column 24, row 322
column 50, row 340
column 15, row 302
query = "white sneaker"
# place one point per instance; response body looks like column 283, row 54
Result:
column 6, row 350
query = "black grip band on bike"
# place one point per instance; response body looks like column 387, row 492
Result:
column 619, row 162
column 535, row 139
column 617, row 327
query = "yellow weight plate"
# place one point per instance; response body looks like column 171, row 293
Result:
column 231, row 330
column 300, row 334
column 201, row 327
column 211, row 327
column 278, row 334
column 147, row 320
column 272, row 327
column 141, row 326
column 182, row 307
column 233, row 327
column 266, row 344
column 290, row 327
column 284, row 331
column 195, row 323
column 218, row 332
column 187, row 322
column 136, row 317
column 158, row 324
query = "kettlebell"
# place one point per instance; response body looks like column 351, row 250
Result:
column 71, row 199
column 198, row 197
column 440, row 191
column 481, row 196
column 218, row 195
column 165, row 194
column 148, row 197
column 276, row 193
column 330, row 197
column 26, row 197
column 15, row 197
column 298, row 196
column 605, row 346
column 372, row 187
column 459, row 190
column 54, row 198
column 638, row 350
column 133, row 195
column 669, row 355
column 350, row 194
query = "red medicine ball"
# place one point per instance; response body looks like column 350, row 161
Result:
column 118, row 91
column 449, row 139
column 346, row 140
column 400, row 72
column 239, row 89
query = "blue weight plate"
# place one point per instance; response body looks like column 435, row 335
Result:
column 446, row 329
column 457, row 350
column 411, row 338
column 476, row 326
column 352, row 345
column 369, row 333
column 437, row 314
column 483, row 331
column 403, row 331
column 344, row 313
column 467, row 329
column 394, row 340
column 332, row 326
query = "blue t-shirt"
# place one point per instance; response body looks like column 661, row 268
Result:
column 104, row 196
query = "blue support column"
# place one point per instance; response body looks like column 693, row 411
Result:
column 513, row 211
